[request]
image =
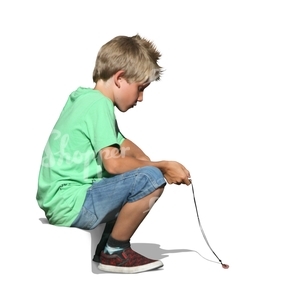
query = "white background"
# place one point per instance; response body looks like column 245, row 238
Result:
column 227, row 107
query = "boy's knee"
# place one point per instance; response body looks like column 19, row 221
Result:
column 154, row 175
column 149, row 181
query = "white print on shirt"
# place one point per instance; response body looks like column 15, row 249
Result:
column 50, row 158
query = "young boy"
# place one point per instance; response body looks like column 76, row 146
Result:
column 90, row 173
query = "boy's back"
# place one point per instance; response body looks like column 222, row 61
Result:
column 69, row 166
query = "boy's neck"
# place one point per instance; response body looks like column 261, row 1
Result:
column 106, row 88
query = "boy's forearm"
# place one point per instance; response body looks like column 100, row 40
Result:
column 124, row 164
column 115, row 163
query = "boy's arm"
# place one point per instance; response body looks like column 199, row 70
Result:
column 129, row 148
column 116, row 163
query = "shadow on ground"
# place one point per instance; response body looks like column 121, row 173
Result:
column 150, row 250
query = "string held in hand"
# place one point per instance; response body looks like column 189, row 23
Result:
column 224, row 266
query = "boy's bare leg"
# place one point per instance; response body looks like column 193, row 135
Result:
column 130, row 217
column 132, row 214
column 118, row 255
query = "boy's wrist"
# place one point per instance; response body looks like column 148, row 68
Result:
column 162, row 165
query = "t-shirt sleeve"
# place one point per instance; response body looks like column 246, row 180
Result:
column 120, row 136
column 102, row 129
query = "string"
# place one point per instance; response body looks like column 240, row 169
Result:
column 203, row 234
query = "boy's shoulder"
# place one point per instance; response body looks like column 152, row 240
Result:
column 88, row 96
column 85, row 104
column 84, row 92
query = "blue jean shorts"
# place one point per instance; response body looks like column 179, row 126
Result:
column 105, row 198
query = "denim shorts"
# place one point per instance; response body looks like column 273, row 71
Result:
column 105, row 198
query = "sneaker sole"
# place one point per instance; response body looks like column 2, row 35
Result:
column 131, row 270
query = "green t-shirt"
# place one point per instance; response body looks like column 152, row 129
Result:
column 70, row 162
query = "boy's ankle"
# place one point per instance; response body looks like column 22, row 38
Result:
column 113, row 245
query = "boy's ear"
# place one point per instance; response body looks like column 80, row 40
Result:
column 118, row 77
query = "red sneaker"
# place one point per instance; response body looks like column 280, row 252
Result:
column 128, row 262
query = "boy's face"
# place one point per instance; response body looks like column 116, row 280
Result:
column 129, row 94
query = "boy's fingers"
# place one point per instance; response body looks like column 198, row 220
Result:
column 187, row 181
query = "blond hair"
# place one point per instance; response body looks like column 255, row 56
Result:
column 136, row 56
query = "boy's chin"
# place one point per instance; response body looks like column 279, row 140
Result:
column 124, row 109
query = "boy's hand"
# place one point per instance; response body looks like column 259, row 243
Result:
column 175, row 172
